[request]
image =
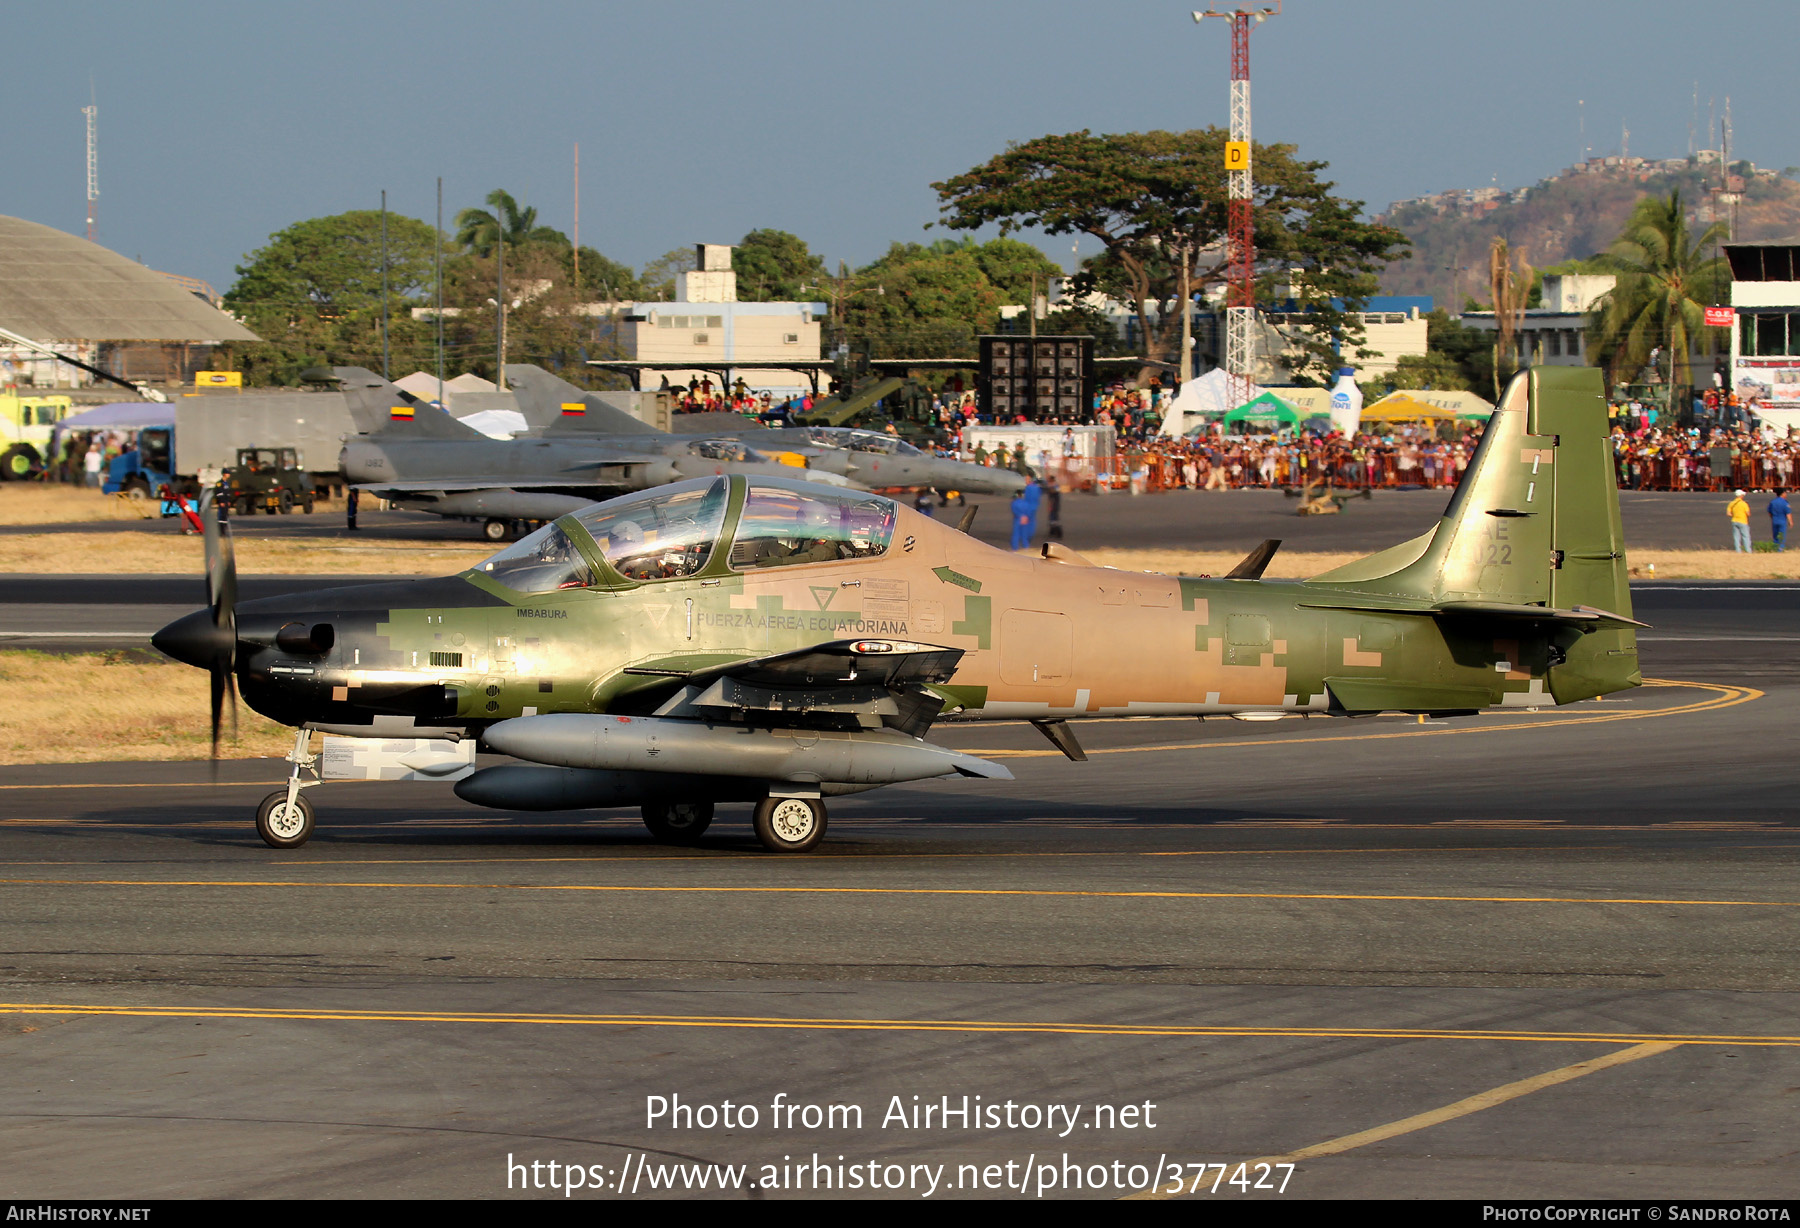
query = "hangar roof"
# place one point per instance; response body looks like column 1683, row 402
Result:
column 58, row 287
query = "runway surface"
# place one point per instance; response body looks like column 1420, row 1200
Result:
column 1524, row 955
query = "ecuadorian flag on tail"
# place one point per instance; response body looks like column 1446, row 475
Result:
column 401, row 413
column 573, row 409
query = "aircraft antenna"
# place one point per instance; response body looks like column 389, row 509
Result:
column 92, row 112
column 1240, row 208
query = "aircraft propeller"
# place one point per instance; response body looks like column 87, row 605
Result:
column 221, row 600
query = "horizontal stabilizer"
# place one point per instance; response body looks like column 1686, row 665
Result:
column 1580, row 614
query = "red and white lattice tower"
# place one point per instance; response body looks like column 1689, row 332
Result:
column 1240, row 209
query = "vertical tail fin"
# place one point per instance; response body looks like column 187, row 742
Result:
column 1534, row 522
column 379, row 408
column 553, row 406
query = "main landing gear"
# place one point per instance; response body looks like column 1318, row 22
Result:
column 784, row 824
column 789, row 824
column 285, row 818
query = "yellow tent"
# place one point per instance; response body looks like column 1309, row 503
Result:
column 1398, row 407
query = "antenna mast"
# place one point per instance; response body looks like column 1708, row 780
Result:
column 93, row 169
column 1240, row 206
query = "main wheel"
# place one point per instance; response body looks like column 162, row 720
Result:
column 494, row 530
column 789, row 824
column 18, row 462
column 678, row 822
column 282, row 826
column 285, row 503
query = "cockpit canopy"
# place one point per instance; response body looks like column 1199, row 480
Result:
column 860, row 441
column 674, row 531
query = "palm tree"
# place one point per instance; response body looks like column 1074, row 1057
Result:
column 480, row 231
column 1662, row 290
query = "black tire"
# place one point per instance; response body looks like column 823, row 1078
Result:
column 678, row 822
column 495, row 530
column 18, row 463
column 284, row 503
column 136, row 488
column 243, row 507
column 307, row 505
column 789, row 824
column 276, row 828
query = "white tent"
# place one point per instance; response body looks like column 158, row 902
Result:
column 499, row 423
column 1203, row 398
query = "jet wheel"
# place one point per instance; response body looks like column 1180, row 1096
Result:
column 789, row 824
column 678, row 822
column 495, row 530
column 282, row 826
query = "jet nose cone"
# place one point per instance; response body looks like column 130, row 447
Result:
column 192, row 639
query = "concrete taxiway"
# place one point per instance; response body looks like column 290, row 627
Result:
column 1516, row 955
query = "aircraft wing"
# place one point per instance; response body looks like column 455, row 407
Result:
column 846, row 684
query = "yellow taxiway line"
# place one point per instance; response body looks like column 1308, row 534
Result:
column 709, row 889
column 1421, row 1121
column 803, row 1023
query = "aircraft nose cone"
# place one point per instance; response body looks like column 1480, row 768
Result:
column 191, row 639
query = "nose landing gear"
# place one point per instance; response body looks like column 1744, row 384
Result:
column 285, row 818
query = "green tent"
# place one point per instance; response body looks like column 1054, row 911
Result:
column 1265, row 410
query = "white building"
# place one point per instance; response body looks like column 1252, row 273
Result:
column 1765, row 345
column 707, row 334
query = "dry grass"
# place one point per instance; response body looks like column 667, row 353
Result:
column 173, row 554
column 101, row 707
column 1297, row 565
column 55, row 503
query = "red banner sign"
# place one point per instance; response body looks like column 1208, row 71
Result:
column 1720, row 317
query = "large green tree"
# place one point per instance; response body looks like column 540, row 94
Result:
column 1664, row 285
column 774, row 266
column 1157, row 200
column 921, row 302
column 314, row 293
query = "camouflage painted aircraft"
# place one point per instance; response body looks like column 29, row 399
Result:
column 871, row 460
column 416, row 456
column 746, row 638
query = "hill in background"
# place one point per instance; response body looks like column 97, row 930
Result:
column 1571, row 216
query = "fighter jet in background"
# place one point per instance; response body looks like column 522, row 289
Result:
column 556, row 408
column 418, row 457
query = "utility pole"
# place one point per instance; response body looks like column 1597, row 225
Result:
column 1240, row 208
column 500, row 316
column 92, row 112
column 384, row 288
column 578, row 215
column 439, row 257
column 1185, row 366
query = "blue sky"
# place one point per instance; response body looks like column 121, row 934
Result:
column 221, row 123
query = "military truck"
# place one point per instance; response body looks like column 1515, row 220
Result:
column 268, row 480
column 26, row 421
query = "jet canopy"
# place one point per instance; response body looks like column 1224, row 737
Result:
column 861, row 441
column 675, row 531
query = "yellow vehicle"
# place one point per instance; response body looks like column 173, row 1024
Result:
column 25, row 425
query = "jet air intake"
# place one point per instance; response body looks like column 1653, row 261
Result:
column 701, row 748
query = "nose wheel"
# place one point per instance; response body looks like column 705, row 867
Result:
column 284, row 824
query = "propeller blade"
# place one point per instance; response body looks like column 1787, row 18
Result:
column 219, row 680
column 221, row 596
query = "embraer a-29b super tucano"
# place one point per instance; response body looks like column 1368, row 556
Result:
column 747, row 638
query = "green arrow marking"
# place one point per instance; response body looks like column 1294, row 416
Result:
column 951, row 576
